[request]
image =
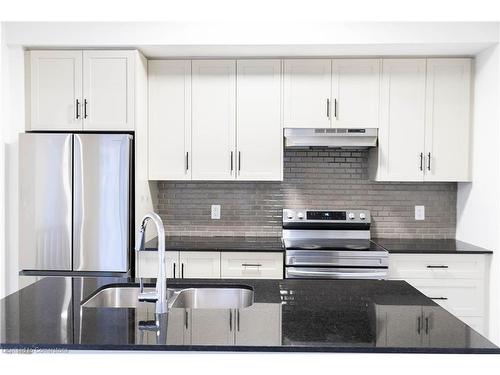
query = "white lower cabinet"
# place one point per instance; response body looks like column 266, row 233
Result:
column 241, row 265
column 212, row 265
column 200, row 264
column 457, row 282
column 259, row 324
column 147, row 264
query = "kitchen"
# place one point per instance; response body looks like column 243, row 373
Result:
column 306, row 203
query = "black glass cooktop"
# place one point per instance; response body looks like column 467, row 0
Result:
column 331, row 244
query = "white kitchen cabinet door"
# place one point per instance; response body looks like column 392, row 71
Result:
column 251, row 265
column 440, row 330
column 399, row 326
column 213, row 119
column 258, row 117
column 147, row 264
column 307, row 85
column 108, row 90
column 56, row 90
column 401, row 132
column 212, row 326
column 355, row 93
column 447, row 123
column 259, row 324
column 200, row 264
column 169, row 119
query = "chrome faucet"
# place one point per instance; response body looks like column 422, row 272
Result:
column 159, row 296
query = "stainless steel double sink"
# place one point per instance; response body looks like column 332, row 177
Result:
column 126, row 296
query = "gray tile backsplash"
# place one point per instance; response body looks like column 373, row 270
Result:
column 331, row 179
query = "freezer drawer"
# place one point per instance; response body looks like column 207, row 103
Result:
column 45, row 201
column 101, row 223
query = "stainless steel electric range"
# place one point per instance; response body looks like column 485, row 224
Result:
column 331, row 244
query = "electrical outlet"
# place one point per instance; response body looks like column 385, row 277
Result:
column 215, row 211
column 419, row 212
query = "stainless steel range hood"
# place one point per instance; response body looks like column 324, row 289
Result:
column 330, row 137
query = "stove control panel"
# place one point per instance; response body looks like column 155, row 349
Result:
column 325, row 216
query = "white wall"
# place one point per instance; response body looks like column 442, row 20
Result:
column 478, row 203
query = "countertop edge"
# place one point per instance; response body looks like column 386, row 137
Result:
column 262, row 349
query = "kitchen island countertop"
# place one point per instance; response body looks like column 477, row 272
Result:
column 287, row 315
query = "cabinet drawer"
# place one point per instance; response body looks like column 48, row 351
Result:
column 460, row 297
column 436, row 266
column 251, row 265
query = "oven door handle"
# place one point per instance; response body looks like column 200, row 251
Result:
column 338, row 274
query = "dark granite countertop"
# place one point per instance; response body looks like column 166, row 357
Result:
column 429, row 246
column 218, row 243
column 287, row 315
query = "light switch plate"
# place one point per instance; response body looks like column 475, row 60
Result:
column 419, row 212
column 215, row 211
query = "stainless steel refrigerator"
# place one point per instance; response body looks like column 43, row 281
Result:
column 75, row 204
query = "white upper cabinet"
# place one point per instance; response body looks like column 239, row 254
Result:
column 213, row 119
column 56, row 90
column 424, row 133
column 355, row 93
column 258, row 117
column 83, row 90
column 401, row 133
column 169, row 119
column 447, row 120
column 108, row 90
column 307, row 93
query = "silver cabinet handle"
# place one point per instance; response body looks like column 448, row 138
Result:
column 187, row 160
column 335, row 107
column 437, row 266
column 231, row 156
column 182, row 270
column 237, row 320
column 77, row 109
column 419, row 324
column 251, row 265
column 421, row 161
column 426, row 325
column 429, row 161
column 186, row 316
column 230, row 319
column 328, row 108
column 440, row 298
column 85, row 108
column 239, row 161
column 174, row 272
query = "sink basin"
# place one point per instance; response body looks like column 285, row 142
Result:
column 213, row 298
column 188, row 298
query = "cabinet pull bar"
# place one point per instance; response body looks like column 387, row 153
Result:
column 186, row 319
column 230, row 319
column 85, row 108
column 231, row 156
column 426, row 325
column 328, row 108
column 174, row 272
column 429, row 161
column 441, row 266
column 239, row 161
column 439, row 298
column 421, row 161
column 187, row 160
column 251, row 265
column 238, row 320
column 335, row 107
column 419, row 324
column 77, row 109
column 182, row 270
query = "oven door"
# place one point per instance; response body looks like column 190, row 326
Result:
column 335, row 273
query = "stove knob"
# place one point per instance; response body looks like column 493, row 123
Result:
column 300, row 215
column 362, row 216
column 351, row 215
column 289, row 214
